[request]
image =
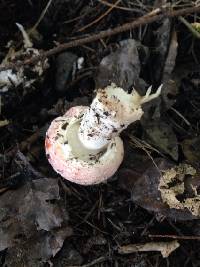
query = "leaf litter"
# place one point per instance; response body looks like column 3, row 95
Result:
column 42, row 219
column 32, row 218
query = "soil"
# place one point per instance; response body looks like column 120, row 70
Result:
column 121, row 211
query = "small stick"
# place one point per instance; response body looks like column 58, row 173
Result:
column 146, row 19
column 42, row 15
column 92, row 263
column 100, row 18
column 165, row 248
column 191, row 237
column 190, row 27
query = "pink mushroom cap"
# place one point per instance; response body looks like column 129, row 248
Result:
column 60, row 155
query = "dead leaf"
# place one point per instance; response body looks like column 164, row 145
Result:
column 159, row 54
column 68, row 256
column 29, row 210
column 143, row 182
column 64, row 67
column 171, row 58
column 172, row 188
column 161, row 135
column 169, row 93
column 38, row 249
column 121, row 67
column 191, row 149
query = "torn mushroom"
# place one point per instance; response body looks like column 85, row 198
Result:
column 84, row 145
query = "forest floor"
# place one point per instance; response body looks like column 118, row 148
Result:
column 152, row 203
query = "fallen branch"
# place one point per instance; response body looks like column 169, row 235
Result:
column 146, row 19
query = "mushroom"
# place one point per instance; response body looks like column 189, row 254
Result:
column 83, row 145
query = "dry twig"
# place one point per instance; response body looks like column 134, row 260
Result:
column 92, row 263
column 182, row 237
column 166, row 248
column 100, row 18
column 146, row 19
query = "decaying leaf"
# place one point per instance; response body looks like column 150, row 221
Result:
column 143, row 181
column 170, row 86
column 191, row 149
column 169, row 93
column 64, row 65
column 121, row 67
column 166, row 248
column 162, row 136
column 37, row 250
column 166, row 47
column 172, row 188
column 162, row 41
column 31, row 216
column 171, row 57
column 68, row 256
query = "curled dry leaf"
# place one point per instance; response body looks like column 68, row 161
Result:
column 144, row 181
column 166, row 248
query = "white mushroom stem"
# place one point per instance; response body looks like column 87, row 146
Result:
column 111, row 111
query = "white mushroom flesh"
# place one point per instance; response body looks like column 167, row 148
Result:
column 72, row 147
column 111, row 111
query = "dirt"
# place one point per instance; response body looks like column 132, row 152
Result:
column 46, row 219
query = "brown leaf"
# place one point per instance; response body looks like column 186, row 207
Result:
column 38, row 249
column 162, row 41
column 29, row 209
column 121, row 67
column 143, row 182
column 191, row 149
column 161, row 135
column 171, row 57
